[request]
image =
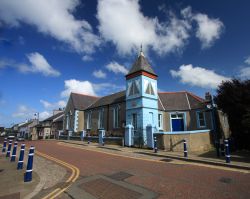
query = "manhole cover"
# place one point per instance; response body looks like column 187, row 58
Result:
column 120, row 176
column 226, row 180
column 104, row 189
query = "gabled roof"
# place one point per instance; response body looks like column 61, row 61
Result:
column 167, row 101
column 59, row 118
column 81, row 101
column 109, row 99
column 53, row 117
column 141, row 64
column 176, row 101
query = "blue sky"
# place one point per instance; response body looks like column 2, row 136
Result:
column 49, row 48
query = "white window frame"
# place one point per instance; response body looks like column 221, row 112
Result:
column 160, row 121
column 199, row 119
column 101, row 119
column 89, row 118
column 116, row 117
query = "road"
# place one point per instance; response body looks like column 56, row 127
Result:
column 162, row 180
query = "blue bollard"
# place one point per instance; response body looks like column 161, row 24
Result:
column 13, row 156
column 155, row 145
column 185, row 148
column 9, row 149
column 4, row 145
column 28, row 174
column 227, row 151
column 21, row 156
column 103, row 141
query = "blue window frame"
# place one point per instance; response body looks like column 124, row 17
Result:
column 201, row 119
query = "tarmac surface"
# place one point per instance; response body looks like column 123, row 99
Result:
column 108, row 172
column 75, row 169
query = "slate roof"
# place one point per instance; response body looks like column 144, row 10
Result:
column 109, row 99
column 176, row 101
column 53, row 116
column 141, row 64
column 167, row 101
column 81, row 101
column 59, row 118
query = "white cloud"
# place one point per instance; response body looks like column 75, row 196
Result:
column 38, row 64
column 245, row 73
column 73, row 85
column 54, row 18
column 43, row 115
column 89, row 88
column 56, row 105
column 99, row 74
column 87, row 58
column 198, row 76
column 208, row 29
column 129, row 28
column 247, row 61
column 24, row 112
column 116, row 68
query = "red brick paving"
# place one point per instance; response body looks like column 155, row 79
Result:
column 168, row 180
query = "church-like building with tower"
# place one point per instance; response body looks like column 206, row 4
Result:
column 172, row 116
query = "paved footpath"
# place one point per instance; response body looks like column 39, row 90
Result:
column 112, row 176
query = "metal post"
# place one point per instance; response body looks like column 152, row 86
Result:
column 222, row 148
column 9, row 149
column 28, row 174
column 102, row 141
column 21, row 156
column 13, row 156
column 155, row 145
column 185, row 148
column 227, row 151
column 4, row 145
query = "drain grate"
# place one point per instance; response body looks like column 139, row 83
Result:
column 226, row 180
column 120, row 176
column 166, row 160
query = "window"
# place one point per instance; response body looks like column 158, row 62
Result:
column 89, row 118
column 201, row 119
column 116, row 117
column 133, row 89
column 134, row 120
column 100, row 119
column 160, row 121
column 150, row 89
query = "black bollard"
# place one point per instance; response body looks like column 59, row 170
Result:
column 185, row 148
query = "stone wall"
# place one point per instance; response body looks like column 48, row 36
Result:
column 195, row 141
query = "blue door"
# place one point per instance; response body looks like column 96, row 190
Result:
column 177, row 125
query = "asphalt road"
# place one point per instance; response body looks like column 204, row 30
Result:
column 165, row 180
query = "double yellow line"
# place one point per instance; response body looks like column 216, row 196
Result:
column 75, row 172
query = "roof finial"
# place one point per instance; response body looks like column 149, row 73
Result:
column 141, row 53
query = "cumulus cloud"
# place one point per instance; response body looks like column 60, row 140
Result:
column 244, row 73
column 44, row 114
column 163, row 37
column 99, row 74
column 73, row 85
column 208, row 29
column 56, row 105
column 198, row 76
column 89, row 88
column 116, row 68
column 54, row 18
column 138, row 29
column 247, row 61
column 38, row 64
column 23, row 112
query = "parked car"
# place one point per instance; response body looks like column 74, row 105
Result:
column 11, row 137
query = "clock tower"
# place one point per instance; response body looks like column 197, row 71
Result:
column 141, row 97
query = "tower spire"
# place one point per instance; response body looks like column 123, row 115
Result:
column 141, row 53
